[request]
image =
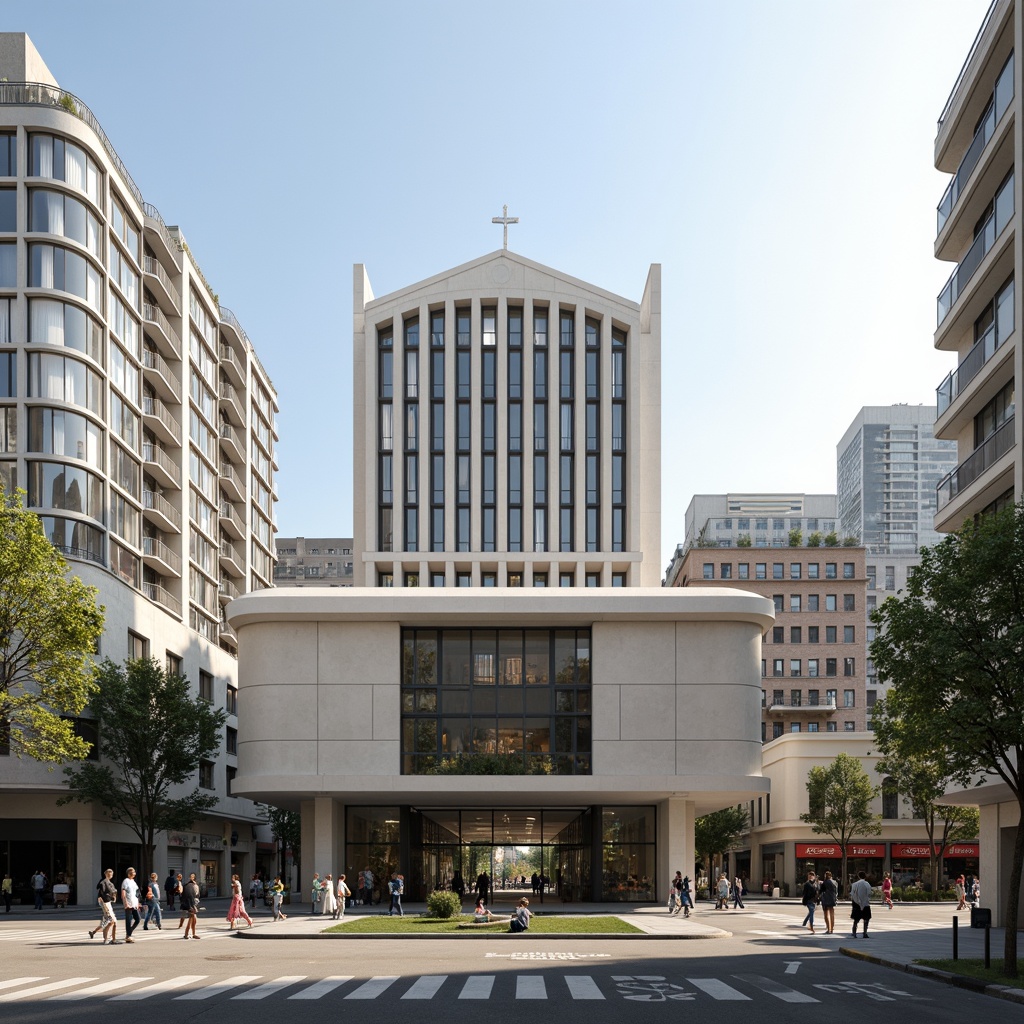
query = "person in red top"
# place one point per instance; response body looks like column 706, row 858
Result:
column 887, row 890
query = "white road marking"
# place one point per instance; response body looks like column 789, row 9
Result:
column 38, row 990
column 792, row 966
column 773, row 988
column 373, row 988
column 270, row 987
column 322, row 987
column 168, row 985
column 530, row 986
column 220, row 987
column 583, row 986
column 718, row 989
column 426, row 987
column 478, row 986
column 98, row 990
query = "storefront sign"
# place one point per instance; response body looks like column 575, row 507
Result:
column 834, row 851
column 911, row 850
column 211, row 842
column 182, row 839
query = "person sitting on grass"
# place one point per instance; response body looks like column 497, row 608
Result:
column 521, row 919
column 481, row 915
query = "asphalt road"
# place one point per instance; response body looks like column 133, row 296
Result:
column 769, row 970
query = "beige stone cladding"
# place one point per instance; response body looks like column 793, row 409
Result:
column 675, row 714
column 438, row 500
column 812, row 659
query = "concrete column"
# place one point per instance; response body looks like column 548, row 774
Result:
column 675, row 842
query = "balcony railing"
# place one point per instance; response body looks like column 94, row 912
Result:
column 227, row 511
column 156, row 548
column 154, row 361
column 168, row 239
column 820, row 704
column 154, row 407
column 156, row 268
column 155, row 454
column 228, row 355
column 40, row 95
column 229, row 473
column 1001, row 97
column 228, row 589
column 162, row 596
column 985, row 455
column 970, row 366
column 158, row 503
column 155, row 315
column 983, row 242
column 229, row 433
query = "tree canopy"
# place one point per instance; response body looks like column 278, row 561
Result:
column 717, row 832
column 839, row 796
column 153, row 733
column 952, row 646
column 50, row 625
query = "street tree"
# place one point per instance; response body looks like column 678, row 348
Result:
column 717, row 833
column 839, row 796
column 153, row 734
column 952, row 646
column 50, row 625
column 286, row 828
column 921, row 780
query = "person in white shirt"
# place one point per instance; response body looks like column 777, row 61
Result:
column 860, row 898
column 343, row 894
column 130, row 901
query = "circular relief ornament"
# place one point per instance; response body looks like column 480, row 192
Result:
column 501, row 273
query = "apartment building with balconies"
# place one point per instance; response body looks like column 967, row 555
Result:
column 978, row 229
column 314, row 562
column 141, row 424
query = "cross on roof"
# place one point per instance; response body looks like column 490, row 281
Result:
column 505, row 220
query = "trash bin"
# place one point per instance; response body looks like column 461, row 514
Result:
column 776, row 893
column 981, row 917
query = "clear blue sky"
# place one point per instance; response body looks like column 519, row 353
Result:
column 775, row 157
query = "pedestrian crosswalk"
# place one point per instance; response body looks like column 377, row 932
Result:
column 648, row 988
column 80, row 933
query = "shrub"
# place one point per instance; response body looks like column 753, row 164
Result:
column 850, row 541
column 796, row 538
column 444, row 904
column 832, row 539
column 814, row 539
column 743, row 541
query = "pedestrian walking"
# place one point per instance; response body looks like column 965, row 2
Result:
column 396, row 887
column 130, row 902
column 887, row 890
column 483, row 885
column 737, row 893
column 675, row 900
column 106, row 893
column 686, row 895
column 153, row 903
column 237, row 908
column 343, row 894
column 170, row 889
column 860, row 900
column 189, row 903
column 315, row 894
column 961, row 893
column 828, row 894
column 277, row 897
column 809, row 898
column 328, row 900
column 39, row 887
column 723, row 893
column 8, row 890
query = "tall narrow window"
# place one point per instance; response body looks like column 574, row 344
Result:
column 385, row 440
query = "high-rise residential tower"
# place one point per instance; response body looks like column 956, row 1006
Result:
column 507, row 430
column 979, row 229
column 140, row 422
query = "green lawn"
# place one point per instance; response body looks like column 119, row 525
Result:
column 539, row 925
column 975, row 969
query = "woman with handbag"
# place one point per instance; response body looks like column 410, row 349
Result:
column 106, row 893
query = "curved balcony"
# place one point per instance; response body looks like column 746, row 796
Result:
column 232, row 443
column 158, row 328
column 969, row 367
column 160, row 376
column 157, row 509
column 1001, row 97
column 231, row 404
column 231, row 365
column 232, row 561
column 986, row 455
column 160, row 466
column 155, row 592
column 156, row 416
column 984, row 240
column 157, row 555
column 157, row 234
column 228, row 590
column 231, row 481
column 230, row 521
column 160, row 284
